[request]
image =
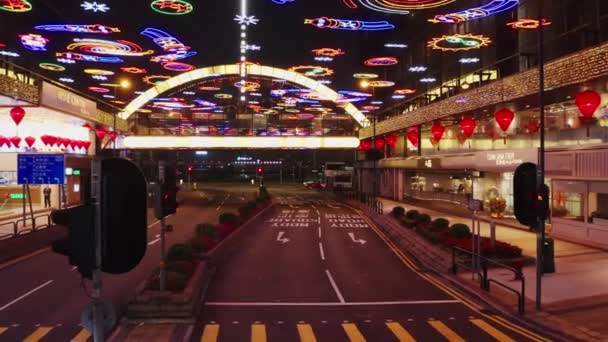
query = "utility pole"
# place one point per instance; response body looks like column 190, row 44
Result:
column 98, row 331
column 540, row 176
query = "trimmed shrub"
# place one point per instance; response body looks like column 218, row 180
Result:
column 201, row 244
column 184, row 267
column 398, row 211
column 205, row 229
column 440, row 224
column 460, row 230
column 175, row 282
column 412, row 214
column 432, row 237
column 407, row 223
column 229, row 219
column 423, row 219
column 180, row 251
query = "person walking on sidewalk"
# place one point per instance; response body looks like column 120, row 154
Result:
column 47, row 197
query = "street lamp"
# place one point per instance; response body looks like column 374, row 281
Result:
column 364, row 84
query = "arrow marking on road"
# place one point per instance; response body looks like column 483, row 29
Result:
column 282, row 239
column 352, row 237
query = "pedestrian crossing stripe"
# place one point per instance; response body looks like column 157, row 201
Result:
column 38, row 334
column 82, row 336
column 2, row 330
column 306, row 332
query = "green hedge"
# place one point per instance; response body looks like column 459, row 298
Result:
column 398, row 211
column 229, row 218
column 412, row 214
column 206, row 229
column 440, row 224
column 180, row 251
column 460, row 230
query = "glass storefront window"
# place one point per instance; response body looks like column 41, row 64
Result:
column 568, row 205
column 8, row 177
column 598, row 206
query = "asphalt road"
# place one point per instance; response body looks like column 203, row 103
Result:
column 312, row 269
column 41, row 297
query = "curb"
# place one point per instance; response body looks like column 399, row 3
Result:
column 467, row 290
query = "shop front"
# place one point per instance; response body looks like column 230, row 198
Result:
column 579, row 198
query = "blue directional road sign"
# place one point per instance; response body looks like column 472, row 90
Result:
column 37, row 169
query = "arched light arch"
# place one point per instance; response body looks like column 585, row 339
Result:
column 235, row 69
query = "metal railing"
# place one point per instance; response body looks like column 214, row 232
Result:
column 24, row 226
column 484, row 280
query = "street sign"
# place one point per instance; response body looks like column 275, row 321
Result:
column 38, row 169
column 475, row 205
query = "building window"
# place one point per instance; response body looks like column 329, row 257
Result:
column 568, row 205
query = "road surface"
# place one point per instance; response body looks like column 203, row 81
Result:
column 312, row 269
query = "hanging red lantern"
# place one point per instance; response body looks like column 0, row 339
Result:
column 17, row 114
column 412, row 136
column 391, row 140
column 112, row 135
column 30, row 141
column 52, row 140
column 16, row 141
column 71, row 143
column 101, row 133
column 4, row 141
column 44, row 140
column 587, row 102
column 87, row 126
column 379, row 142
column 468, row 126
column 86, row 145
column 504, row 117
column 437, row 131
column 533, row 126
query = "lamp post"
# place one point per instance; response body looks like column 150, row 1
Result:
column 123, row 84
column 540, row 176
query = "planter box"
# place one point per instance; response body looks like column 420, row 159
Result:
column 165, row 306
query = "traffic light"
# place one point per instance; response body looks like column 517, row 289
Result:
column 190, row 168
column 79, row 246
column 529, row 204
column 165, row 195
column 260, row 171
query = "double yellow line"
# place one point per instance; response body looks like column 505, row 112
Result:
column 469, row 303
column 23, row 258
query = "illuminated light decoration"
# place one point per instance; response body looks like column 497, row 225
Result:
column 169, row 44
column 155, row 79
column 88, row 58
column 246, row 20
column 204, row 103
column 325, row 81
column 171, row 105
column 324, row 59
column 428, row 80
column 252, row 47
column 588, row 102
column 94, row 6
column 99, row 77
column 312, row 70
column 350, row 25
column 210, row 88
column 134, row 70
column 350, row 99
column 354, row 93
column 397, row 6
column 398, row 97
column 305, row 116
column 469, row 60
column 376, row 102
column 529, row 24
column 381, row 84
column 405, row 91
column 51, row 66
column 178, row 66
column 370, row 108
column 223, row 96
column 492, row 7
column 391, row 140
column 108, row 47
column 189, row 93
column 98, row 72
column 437, row 131
column 365, row 76
column 66, row 80
column 268, row 72
column 328, row 52
column 15, row 6
column 247, row 86
column 118, row 102
column 413, row 136
column 34, row 42
column 417, row 68
column 381, row 61
column 282, row 2
column 172, row 7
column 99, row 90
column 198, row 142
column 468, row 126
column 459, row 42
column 256, row 94
column 95, row 28
column 108, row 96
column 66, row 61
column 395, row 45
column 9, row 54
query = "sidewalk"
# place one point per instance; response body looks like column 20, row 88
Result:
column 577, row 292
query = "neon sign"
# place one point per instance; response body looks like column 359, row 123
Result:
column 365, row 76
column 397, row 6
column 99, row 90
column 34, row 42
column 172, row 7
column 492, row 7
column 246, row 20
column 95, row 28
column 94, row 6
column 329, row 52
column 169, row 44
column 98, row 72
column 154, row 79
column 51, row 66
column 134, row 70
column 381, row 84
column 529, row 24
column 177, row 66
column 87, row 58
column 312, row 70
column 16, row 6
column 348, row 24
column 381, row 61
column 459, row 42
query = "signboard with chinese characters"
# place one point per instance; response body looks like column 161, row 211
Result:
column 37, row 169
column 67, row 102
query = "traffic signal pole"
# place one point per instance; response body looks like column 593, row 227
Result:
column 98, row 331
column 163, row 257
column 540, row 176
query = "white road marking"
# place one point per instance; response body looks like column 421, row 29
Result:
column 385, row 303
column 153, row 224
column 361, row 241
column 319, row 232
column 335, row 286
column 318, row 213
column 282, row 239
column 321, row 250
column 73, row 268
column 25, row 295
column 153, row 242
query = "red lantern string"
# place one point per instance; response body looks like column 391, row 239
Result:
column 412, row 136
column 17, row 114
column 437, row 131
column 16, row 141
column 379, row 142
column 468, row 126
column 391, row 140
column 101, row 133
column 587, row 102
column 504, row 117
column 30, row 141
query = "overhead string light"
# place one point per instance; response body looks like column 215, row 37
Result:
column 177, row 50
column 349, row 25
column 396, row 6
column 243, row 47
column 490, row 8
